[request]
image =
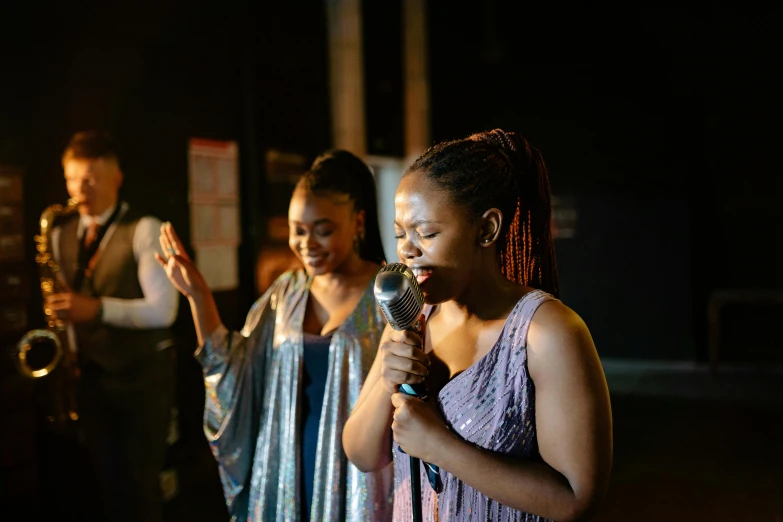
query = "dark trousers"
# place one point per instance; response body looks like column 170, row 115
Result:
column 125, row 421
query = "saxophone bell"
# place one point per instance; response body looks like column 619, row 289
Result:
column 38, row 353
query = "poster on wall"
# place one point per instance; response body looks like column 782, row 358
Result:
column 213, row 175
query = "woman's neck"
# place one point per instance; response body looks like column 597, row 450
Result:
column 488, row 297
column 334, row 296
column 352, row 273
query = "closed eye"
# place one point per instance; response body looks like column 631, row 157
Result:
column 400, row 235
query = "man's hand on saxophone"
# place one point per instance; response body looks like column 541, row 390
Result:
column 73, row 308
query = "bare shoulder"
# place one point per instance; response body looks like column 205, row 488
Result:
column 555, row 318
column 558, row 339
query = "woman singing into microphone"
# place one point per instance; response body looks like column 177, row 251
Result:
column 518, row 419
column 279, row 391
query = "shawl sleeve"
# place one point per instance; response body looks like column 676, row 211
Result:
column 233, row 366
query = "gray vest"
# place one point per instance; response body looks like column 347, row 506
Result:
column 115, row 350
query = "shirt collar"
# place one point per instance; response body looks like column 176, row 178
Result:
column 86, row 220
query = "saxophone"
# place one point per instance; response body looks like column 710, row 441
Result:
column 41, row 351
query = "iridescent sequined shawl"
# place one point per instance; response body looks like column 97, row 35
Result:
column 252, row 411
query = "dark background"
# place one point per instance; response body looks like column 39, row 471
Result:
column 662, row 125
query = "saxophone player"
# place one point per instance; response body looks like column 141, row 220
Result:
column 120, row 307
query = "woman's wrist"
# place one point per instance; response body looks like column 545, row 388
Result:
column 446, row 444
column 198, row 297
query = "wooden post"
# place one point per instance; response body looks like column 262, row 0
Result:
column 346, row 71
column 416, row 74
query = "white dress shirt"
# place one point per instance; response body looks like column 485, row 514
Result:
column 158, row 307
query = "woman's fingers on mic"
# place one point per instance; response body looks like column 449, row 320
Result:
column 406, row 337
column 406, row 365
column 413, row 353
column 397, row 377
column 417, row 367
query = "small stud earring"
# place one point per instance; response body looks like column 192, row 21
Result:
column 487, row 239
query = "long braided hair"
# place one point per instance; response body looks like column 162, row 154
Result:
column 341, row 172
column 498, row 169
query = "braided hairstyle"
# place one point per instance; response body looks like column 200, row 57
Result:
column 340, row 172
column 498, row 169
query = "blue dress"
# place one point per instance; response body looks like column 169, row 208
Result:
column 314, row 372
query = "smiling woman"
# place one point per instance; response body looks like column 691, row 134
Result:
column 521, row 422
column 330, row 215
column 299, row 363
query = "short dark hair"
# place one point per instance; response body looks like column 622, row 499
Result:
column 502, row 170
column 341, row 172
column 91, row 145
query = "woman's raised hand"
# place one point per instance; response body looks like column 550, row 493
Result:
column 180, row 269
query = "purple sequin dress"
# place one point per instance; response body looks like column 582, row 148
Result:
column 492, row 405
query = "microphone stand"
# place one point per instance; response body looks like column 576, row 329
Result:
column 415, row 489
column 419, row 391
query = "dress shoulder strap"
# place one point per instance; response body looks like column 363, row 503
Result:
column 522, row 315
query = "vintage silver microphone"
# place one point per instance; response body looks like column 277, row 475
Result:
column 401, row 301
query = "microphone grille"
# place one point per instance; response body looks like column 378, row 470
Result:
column 401, row 299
